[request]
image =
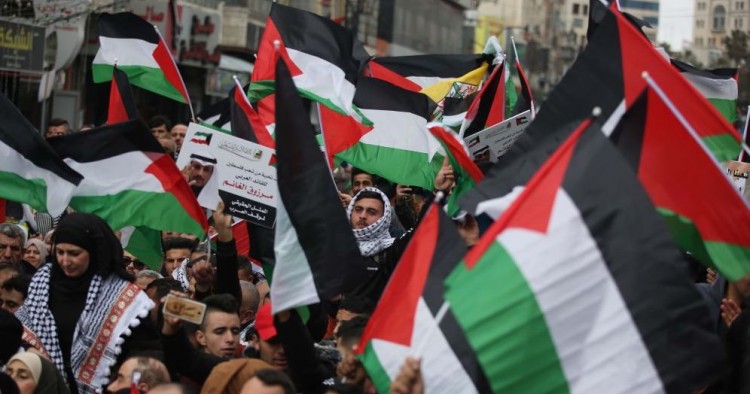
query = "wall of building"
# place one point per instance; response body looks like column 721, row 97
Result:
column 713, row 20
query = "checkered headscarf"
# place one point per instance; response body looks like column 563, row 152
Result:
column 375, row 237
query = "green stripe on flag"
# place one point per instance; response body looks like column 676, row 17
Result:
column 731, row 261
column 151, row 79
column 511, row 96
column 145, row 244
column 28, row 191
column 723, row 146
column 375, row 370
column 525, row 359
column 396, row 165
column 728, row 108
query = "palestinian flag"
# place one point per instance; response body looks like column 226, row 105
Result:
column 121, row 101
column 398, row 147
column 611, row 69
column 143, row 243
column 595, row 297
column 705, row 213
column 339, row 132
column 718, row 86
column 317, row 256
column 321, row 55
column 246, row 123
column 412, row 317
column 465, row 171
column 30, row 171
column 526, row 101
column 217, row 116
column 129, row 180
column 488, row 107
column 137, row 48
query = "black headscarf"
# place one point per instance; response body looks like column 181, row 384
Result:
column 92, row 234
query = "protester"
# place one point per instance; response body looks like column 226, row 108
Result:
column 175, row 251
column 7, row 271
column 220, row 331
column 269, row 381
column 35, row 252
column 35, row 374
column 230, row 376
column 159, row 126
column 12, row 240
column 145, row 278
column 132, row 264
column 248, row 308
column 13, row 292
column 148, row 371
column 178, row 135
column 57, row 127
column 85, row 288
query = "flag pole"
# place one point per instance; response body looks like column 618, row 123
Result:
column 654, row 85
column 184, row 87
column 744, row 149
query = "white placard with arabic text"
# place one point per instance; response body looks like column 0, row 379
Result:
column 492, row 142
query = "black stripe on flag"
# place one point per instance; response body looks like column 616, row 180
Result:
column 629, row 133
column 441, row 66
column 107, row 141
column 449, row 251
column 321, row 37
column 310, row 197
column 127, row 25
column 20, row 135
column 717, row 73
column 127, row 108
column 645, row 263
column 376, row 94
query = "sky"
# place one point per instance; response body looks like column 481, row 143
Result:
column 675, row 22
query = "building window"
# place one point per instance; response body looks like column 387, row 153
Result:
column 719, row 18
column 576, row 8
column 699, row 23
column 740, row 5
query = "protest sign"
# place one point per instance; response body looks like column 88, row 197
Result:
column 738, row 173
column 492, row 142
column 233, row 170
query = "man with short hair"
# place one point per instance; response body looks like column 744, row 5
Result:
column 361, row 180
column 175, row 251
column 7, row 271
column 352, row 306
column 220, row 331
column 12, row 239
column 145, row 277
column 13, row 292
column 149, row 372
column 178, row 135
column 266, row 341
column 159, row 126
column 269, row 381
column 57, row 127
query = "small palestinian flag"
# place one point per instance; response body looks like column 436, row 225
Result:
column 317, row 257
column 129, row 180
column 525, row 101
column 465, row 172
column 705, row 213
column 398, row 147
column 137, row 48
column 246, row 123
column 488, row 108
column 322, row 57
column 201, row 138
column 595, row 297
column 718, row 86
column 30, row 171
column 412, row 318
column 121, row 101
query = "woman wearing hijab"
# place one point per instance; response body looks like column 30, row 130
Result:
column 80, row 308
column 35, row 375
column 35, row 252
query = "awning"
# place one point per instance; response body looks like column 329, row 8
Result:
column 235, row 64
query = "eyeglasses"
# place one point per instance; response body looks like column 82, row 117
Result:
column 137, row 264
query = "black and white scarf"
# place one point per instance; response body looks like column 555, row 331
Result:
column 374, row 238
column 113, row 307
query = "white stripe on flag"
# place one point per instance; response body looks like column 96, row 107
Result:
column 323, row 79
column 401, row 130
column 293, row 284
column 126, row 52
column 428, row 81
column 597, row 341
column 116, row 174
column 59, row 190
column 725, row 89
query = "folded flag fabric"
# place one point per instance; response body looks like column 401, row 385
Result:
column 121, row 101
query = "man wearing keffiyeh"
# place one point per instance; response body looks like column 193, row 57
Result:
column 370, row 215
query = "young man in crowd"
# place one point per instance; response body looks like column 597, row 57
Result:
column 13, row 292
column 57, row 127
column 175, row 251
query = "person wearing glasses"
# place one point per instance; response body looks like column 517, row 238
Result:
column 132, row 264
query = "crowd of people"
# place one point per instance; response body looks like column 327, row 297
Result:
column 81, row 315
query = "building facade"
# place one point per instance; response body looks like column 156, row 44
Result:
column 648, row 10
column 714, row 20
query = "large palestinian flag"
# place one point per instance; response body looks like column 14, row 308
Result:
column 323, row 58
column 139, row 50
column 595, row 297
column 317, row 256
column 608, row 75
column 718, row 86
column 412, row 317
column 398, row 147
column 129, row 180
column 706, row 215
column 30, row 171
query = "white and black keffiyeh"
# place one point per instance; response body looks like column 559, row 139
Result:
column 113, row 307
column 180, row 274
column 374, row 238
